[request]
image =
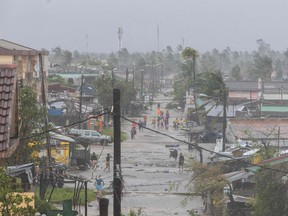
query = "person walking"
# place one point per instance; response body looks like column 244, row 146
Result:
column 140, row 125
column 107, row 162
column 181, row 161
column 93, row 160
column 99, row 184
column 167, row 116
column 175, row 153
column 154, row 122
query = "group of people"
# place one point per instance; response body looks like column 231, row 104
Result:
column 94, row 161
column 178, row 123
column 161, row 120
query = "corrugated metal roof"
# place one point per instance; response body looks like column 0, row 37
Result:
column 242, row 85
column 218, row 111
column 270, row 162
column 275, row 85
column 13, row 46
column 259, row 128
column 274, row 109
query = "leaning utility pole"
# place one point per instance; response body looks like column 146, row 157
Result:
column 43, row 176
column 117, row 176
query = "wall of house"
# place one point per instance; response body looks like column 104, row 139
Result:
column 6, row 59
column 31, row 77
column 246, row 95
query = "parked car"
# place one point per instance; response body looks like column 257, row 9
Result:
column 92, row 135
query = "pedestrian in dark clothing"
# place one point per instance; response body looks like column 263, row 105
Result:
column 107, row 162
column 140, row 125
column 167, row 117
column 175, row 153
column 93, row 160
column 181, row 161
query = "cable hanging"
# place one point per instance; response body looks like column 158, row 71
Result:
column 204, row 149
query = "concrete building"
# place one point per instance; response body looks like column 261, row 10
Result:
column 27, row 63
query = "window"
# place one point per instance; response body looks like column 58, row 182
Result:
column 94, row 134
column 87, row 133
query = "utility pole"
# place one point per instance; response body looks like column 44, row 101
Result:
column 117, row 176
column 120, row 32
column 43, row 175
column 80, row 102
column 158, row 38
column 127, row 74
column 133, row 80
column 142, row 80
column 224, row 120
column 112, row 75
column 44, row 105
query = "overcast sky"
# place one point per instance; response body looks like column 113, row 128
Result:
column 201, row 24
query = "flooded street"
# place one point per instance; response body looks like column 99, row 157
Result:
column 148, row 171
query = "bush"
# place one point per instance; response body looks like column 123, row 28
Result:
column 42, row 206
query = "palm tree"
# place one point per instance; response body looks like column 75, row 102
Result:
column 213, row 86
column 190, row 54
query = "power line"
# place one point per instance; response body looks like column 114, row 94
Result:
column 155, row 131
column 65, row 126
column 202, row 148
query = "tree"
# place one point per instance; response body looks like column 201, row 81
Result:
column 212, row 84
column 103, row 87
column 55, row 79
column 31, row 121
column 10, row 200
column 180, row 87
column 262, row 67
column 123, row 58
column 271, row 195
column 191, row 54
column 263, row 47
column 208, row 181
column 104, row 90
column 236, row 73
column 67, row 58
column 70, row 81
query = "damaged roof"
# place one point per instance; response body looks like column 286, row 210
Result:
column 267, row 128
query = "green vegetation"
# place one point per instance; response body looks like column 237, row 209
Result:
column 10, row 201
column 133, row 212
column 31, row 115
column 60, row 194
column 271, row 194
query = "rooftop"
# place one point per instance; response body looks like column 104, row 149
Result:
column 268, row 128
column 6, row 87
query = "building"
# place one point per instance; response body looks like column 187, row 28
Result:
column 19, row 65
column 27, row 63
column 9, row 139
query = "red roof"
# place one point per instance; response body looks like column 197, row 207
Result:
column 7, row 75
column 259, row 128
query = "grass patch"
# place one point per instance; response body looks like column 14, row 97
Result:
column 110, row 132
column 65, row 193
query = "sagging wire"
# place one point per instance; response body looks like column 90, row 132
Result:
column 65, row 126
column 204, row 149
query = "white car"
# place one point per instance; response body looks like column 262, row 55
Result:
column 91, row 134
